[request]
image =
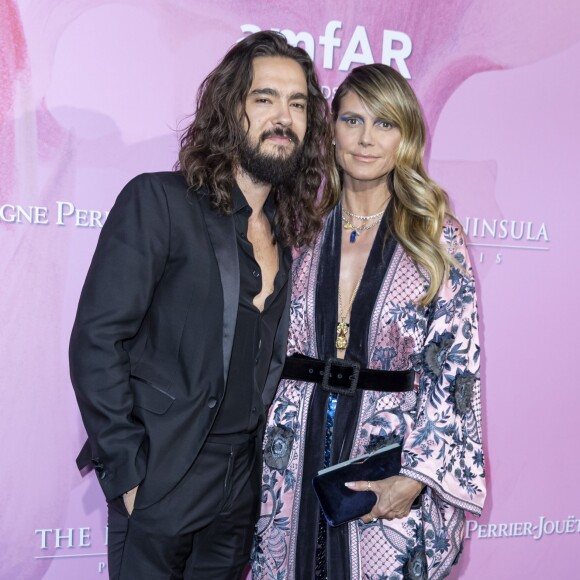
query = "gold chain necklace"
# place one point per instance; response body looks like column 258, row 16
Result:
column 356, row 231
column 342, row 327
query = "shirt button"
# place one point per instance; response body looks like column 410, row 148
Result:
column 253, row 409
column 243, row 236
column 211, row 403
column 256, row 273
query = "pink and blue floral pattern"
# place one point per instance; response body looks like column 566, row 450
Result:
column 439, row 423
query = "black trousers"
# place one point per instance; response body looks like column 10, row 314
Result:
column 202, row 529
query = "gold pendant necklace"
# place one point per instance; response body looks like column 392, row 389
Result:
column 355, row 231
column 342, row 326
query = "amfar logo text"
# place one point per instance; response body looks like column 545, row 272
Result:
column 397, row 46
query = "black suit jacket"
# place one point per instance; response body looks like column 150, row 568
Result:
column 151, row 343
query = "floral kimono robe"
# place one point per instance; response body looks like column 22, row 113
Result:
column 438, row 423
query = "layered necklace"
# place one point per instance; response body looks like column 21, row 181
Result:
column 368, row 222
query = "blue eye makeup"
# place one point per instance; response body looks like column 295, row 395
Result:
column 351, row 120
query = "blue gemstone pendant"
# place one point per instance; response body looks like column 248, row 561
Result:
column 353, row 236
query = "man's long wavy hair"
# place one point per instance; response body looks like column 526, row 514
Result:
column 210, row 145
column 420, row 206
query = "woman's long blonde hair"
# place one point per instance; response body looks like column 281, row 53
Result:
column 420, row 206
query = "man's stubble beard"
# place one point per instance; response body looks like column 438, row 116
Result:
column 275, row 168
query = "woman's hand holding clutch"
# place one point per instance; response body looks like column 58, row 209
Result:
column 395, row 496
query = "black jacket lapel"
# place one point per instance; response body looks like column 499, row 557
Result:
column 222, row 235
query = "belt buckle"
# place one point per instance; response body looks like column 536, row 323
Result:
column 338, row 362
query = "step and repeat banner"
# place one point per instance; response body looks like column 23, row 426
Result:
column 93, row 92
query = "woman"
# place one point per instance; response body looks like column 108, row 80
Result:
column 387, row 285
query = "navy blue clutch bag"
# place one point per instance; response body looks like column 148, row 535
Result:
column 341, row 504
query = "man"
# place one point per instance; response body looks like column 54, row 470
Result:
column 180, row 334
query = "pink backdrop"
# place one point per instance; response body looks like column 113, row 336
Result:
column 92, row 92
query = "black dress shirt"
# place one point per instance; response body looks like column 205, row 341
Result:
column 242, row 409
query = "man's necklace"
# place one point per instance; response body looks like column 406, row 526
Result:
column 342, row 326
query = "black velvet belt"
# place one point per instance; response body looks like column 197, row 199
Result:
column 344, row 377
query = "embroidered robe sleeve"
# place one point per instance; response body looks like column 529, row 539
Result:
column 444, row 449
